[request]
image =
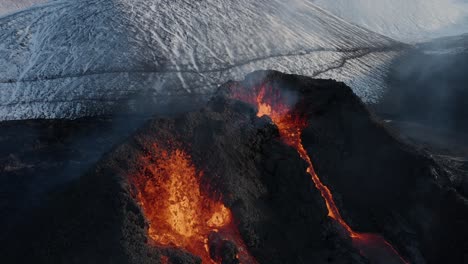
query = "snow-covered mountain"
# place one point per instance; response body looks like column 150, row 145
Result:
column 69, row 58
column 405, row 20
column 8, row 6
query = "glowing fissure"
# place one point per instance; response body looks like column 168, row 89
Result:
column 290, row 127
column 179, row 212
column 270, row 103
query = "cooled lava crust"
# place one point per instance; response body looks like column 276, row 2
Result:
column 379, row 184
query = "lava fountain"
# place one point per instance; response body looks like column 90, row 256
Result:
column 271, row 102
column 180, row 212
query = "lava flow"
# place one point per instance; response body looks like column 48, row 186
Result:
column 180, row 213
column 270, row 102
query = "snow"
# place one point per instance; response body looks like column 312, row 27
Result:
column 404, row 20
column 68, row 58
column 9, row 6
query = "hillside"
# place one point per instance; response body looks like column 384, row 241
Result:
column 9, row 6
column 408, row 21
column 68, row 59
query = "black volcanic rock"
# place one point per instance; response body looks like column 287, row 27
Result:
column 380, row 185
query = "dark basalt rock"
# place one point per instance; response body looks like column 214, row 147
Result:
column 380, row 184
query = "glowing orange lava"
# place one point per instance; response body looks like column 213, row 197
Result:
column 270, row 103
column 179, row 212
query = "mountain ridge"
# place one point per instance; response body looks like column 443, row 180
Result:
column 50, row 53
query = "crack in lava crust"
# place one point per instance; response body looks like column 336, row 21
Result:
column 180, row 211
column 272, row 103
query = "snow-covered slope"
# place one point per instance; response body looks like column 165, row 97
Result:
column 8, row 6
column 405, row 20
column 73, row 58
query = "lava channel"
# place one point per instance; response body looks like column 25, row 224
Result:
column 179, row 210
column 270, row 102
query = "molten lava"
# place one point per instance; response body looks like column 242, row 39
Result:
column 180, row 212
column 270, row 102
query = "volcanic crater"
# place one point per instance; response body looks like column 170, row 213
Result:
column 276, row 168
